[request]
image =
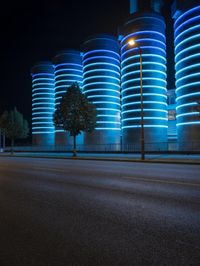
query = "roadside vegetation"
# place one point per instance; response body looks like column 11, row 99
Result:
column 13, row 124
column 75, row 114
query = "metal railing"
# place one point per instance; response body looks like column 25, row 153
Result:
column 115, row 147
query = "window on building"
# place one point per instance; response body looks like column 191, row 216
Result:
column 172, row 115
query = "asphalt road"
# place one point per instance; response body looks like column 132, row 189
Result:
column 73, row 212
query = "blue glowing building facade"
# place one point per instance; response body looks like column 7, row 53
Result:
column 186, row 16
column 43, row 103
column 68, row 69
column 108, row 71
column 148, row 29
column 101, row 85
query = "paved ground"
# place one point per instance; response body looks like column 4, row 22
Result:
column 77, row 212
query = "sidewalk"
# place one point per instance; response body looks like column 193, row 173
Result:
column 135, row 157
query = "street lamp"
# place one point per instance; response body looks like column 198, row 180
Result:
column 132, row 42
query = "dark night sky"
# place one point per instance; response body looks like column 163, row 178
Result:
column 36, row 30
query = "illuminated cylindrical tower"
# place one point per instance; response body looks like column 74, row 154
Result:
column 187, row 58
column 68, row 69
column 101, row 85
column 43, row 103
column 148, row 31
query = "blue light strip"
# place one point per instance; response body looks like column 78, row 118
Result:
column 105, row 96
column 188, row 114
column 105, row 128
column 42, row 113
column 102, row 77
column 42, row 93
column 196, row 36
column 105, row 102
column 99, row 64
column 187, row 68
column 115, row 116
column 60, row 92
column 143, row 47
column 58, row 98
column 100, row 83
column 187, row 58
column 40, row 108
column 186, row 104
column 43, row 103
column 67, row 64
column 144, row 63
column 141, row 41
column 40, row 132
column 37, row 123
column 94, row 90
column 66, row 70
column 144, row 71
column 108, row 122
column 42, row 98
column 145, row 110
column 144, row 86
column 186, row 13
column 40, row 79
column 42, row 127
column 154, row 102
column 66, row 81
column 45, row 89
column 144, row 55
column 100, row 57
column 40, row 118
column 185, row 23
column 186, row 77
column 107, row 109
column 138, row 126
column 138, row 79
column 43, row 84
column 188, row 123
column 186, row 31
column 41, row 75
column 65, row 85
column 143, row 32
column 144, row 94
column 67, row 75
column 100, row 50
column 60, row 131
column 101, row 70
column 145, row 118
column 188, row 95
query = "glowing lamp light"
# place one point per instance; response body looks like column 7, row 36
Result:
column 131, row 42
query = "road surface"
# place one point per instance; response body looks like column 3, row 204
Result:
column 72, row 212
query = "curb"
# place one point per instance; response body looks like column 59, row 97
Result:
column 162, row 161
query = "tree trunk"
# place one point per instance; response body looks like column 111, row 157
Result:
column 4, row 140
column 12, row 146
column 74, row 146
